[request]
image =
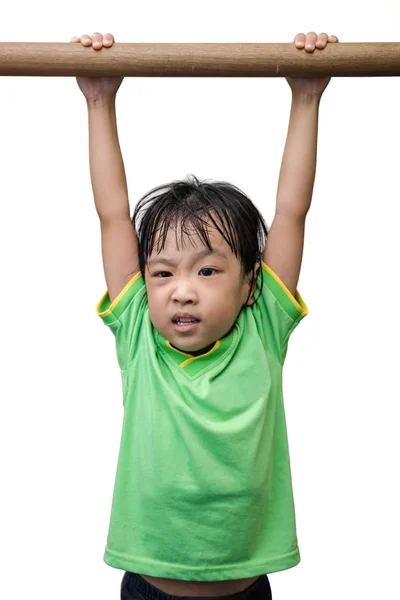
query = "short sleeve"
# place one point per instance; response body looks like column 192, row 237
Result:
column 276, row 312
column 126, row 317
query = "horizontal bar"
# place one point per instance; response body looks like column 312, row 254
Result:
column 372, row 59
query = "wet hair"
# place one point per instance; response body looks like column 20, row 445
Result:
column 192, row 203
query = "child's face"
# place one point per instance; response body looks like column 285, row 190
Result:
column 210, row 288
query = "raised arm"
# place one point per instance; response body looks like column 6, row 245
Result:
column 118, row 237
column 284, row 247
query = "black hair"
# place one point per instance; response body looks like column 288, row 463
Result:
column 191, row 201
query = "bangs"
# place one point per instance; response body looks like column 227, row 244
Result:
column 193, row 221
column 194, row 218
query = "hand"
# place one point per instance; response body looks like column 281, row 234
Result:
column 313, row 86
column 96, row 87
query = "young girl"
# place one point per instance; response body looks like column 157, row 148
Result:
column 202, row 306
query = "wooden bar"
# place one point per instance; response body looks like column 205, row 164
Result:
column 372, row 59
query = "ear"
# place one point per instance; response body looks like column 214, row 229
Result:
column 251, row 292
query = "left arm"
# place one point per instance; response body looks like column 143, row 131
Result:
column 284, row 246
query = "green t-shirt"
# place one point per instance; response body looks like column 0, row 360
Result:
column 203, row 487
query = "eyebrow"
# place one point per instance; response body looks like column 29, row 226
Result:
column 201, row 254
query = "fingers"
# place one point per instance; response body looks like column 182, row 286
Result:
column 312, row 40
column 97, row 40
column 322, row 40
column 108, row 40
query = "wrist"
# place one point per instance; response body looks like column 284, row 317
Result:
column 101, row 102
column 304, row 99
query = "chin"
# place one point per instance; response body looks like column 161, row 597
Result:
column 180, row 344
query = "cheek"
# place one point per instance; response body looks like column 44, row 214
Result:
column 227, row 300
column 156, row 304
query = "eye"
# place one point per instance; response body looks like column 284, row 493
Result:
column 208, row 269
column 161, row 274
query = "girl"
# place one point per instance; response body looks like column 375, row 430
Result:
column 202, row 306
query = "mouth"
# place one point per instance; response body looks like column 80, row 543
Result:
column 183, row 323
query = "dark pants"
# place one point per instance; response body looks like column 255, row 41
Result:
column 134, row 587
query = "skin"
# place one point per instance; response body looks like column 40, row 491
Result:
column 188, row 287
column 211, row 288
column 313, row 86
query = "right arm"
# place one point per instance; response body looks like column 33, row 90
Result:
column 118, row 236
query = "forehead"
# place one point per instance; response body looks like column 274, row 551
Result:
column 190, row 241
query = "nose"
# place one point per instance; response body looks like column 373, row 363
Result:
column 184, row 291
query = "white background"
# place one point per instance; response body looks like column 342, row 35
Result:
column 60, row 388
